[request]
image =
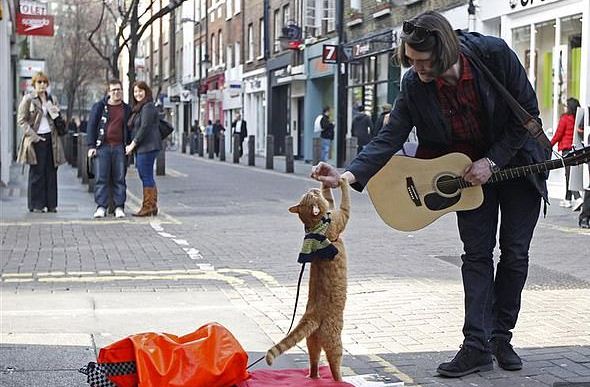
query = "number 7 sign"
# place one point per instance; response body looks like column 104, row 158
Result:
column 330, row 53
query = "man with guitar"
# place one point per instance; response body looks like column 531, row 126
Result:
column 455, row 107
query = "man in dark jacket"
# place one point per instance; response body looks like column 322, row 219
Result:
column 240, row 127
column 381, row 120
column 106, row 138
column 455, row 109
column 362, row 128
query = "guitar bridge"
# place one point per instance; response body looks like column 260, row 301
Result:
column 412, row 192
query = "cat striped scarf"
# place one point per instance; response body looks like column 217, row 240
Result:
column 316, row 244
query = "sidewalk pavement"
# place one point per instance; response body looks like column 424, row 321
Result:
column 71, row 284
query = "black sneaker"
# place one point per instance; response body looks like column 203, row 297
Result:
column 467, row 361
column 505, row 355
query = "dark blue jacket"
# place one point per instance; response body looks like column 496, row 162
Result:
column 94, row 121
column 417, row 105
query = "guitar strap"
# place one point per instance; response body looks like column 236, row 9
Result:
column 528, row 121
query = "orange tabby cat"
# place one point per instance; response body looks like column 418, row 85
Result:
column 323, row 319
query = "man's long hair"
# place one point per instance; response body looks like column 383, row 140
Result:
column 442, row 42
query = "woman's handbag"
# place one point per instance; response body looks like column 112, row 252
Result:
column 165, row 128
column 60, row 125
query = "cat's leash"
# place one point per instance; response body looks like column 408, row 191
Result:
column 294, row 311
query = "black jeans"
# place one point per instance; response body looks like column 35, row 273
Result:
column 42, row 188
column 492, row 303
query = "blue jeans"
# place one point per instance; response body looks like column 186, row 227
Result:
column 145, row 167
column 492, row 303
column 326, row 142
column 110, row 175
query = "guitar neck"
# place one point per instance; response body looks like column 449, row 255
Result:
column 516, row 172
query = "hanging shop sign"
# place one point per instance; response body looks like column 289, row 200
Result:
column 33, row 8
column 372, row 45
column 36, row 25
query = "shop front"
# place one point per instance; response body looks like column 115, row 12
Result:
column 550, row 37
column 255, row 83
column 320, row 91
column 374, row 79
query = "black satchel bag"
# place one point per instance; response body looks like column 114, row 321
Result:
column 165, row 128
column 60, row 125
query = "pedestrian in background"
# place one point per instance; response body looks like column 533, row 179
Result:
column 146, row 144
column 209, row 140
column 362, row 128
column 218, row 132
column 239, row 126
column 325, row 130
column 40, row 146
column 382, row 119
column 107, row 137
column 455, row 109
column 564, row 137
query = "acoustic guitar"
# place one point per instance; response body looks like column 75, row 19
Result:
column 410, row 193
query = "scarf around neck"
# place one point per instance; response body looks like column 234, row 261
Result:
column 316, row 244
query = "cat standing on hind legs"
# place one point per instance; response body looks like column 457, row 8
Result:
column 323, row 319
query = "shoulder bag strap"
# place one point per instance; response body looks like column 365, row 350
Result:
column 524, row 117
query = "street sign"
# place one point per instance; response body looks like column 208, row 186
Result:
column 330, row 53
column 37, row 25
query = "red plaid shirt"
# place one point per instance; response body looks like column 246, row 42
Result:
column 460, row 105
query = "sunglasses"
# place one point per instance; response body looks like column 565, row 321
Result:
column 419, row 34
column 46, row 82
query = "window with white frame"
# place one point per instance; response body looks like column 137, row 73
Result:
column 229, row 57
column 276, row 30
column 286, row 15
column 237, row 6
column 329, row 16
column 203, row 9
column 261, row 29
column 320, row 16
column 220, row 45
column 228, row 8
column 250, row 55
column 237, row 54
column 213, row 51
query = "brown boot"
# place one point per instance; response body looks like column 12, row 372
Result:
column 147, row 207
column 154, row 204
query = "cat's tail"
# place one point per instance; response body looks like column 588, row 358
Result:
column 306, row 327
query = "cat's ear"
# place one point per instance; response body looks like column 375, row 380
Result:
column 315, row 210
column 294, row 209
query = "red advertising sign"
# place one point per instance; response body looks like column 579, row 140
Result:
column 39, row 25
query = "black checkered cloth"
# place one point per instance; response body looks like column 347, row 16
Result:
column 97, row 373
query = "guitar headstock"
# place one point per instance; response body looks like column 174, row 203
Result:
column 577, row 156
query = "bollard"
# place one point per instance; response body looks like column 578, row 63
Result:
column 251, row 155
column 161, row 162
column 183, row 142
column 74, row 145
column 66, row 146
column 84, row 155
column 210, row 145
column 317, row 150
column 222, row 147
column 351, row 150
column 236, row 151
column 289, row 159
column 270, row 151
column 200, row 144
column 81, row 139
column 192, row 145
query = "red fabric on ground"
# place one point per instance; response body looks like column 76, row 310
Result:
column 291, row 378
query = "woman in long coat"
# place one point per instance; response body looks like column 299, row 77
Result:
column 41, row 146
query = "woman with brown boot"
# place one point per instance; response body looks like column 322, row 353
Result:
column 146, row 143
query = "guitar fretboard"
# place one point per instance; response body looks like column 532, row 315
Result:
column 516, row 172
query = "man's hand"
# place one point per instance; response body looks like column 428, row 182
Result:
column 129, row 148
column 91, row 153
column 478, row 172
column 329, row 175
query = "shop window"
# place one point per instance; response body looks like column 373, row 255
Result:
column 571, row 41
column 521, row 44
column 544, row 47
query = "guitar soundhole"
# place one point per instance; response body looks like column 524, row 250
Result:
column 446, row 185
